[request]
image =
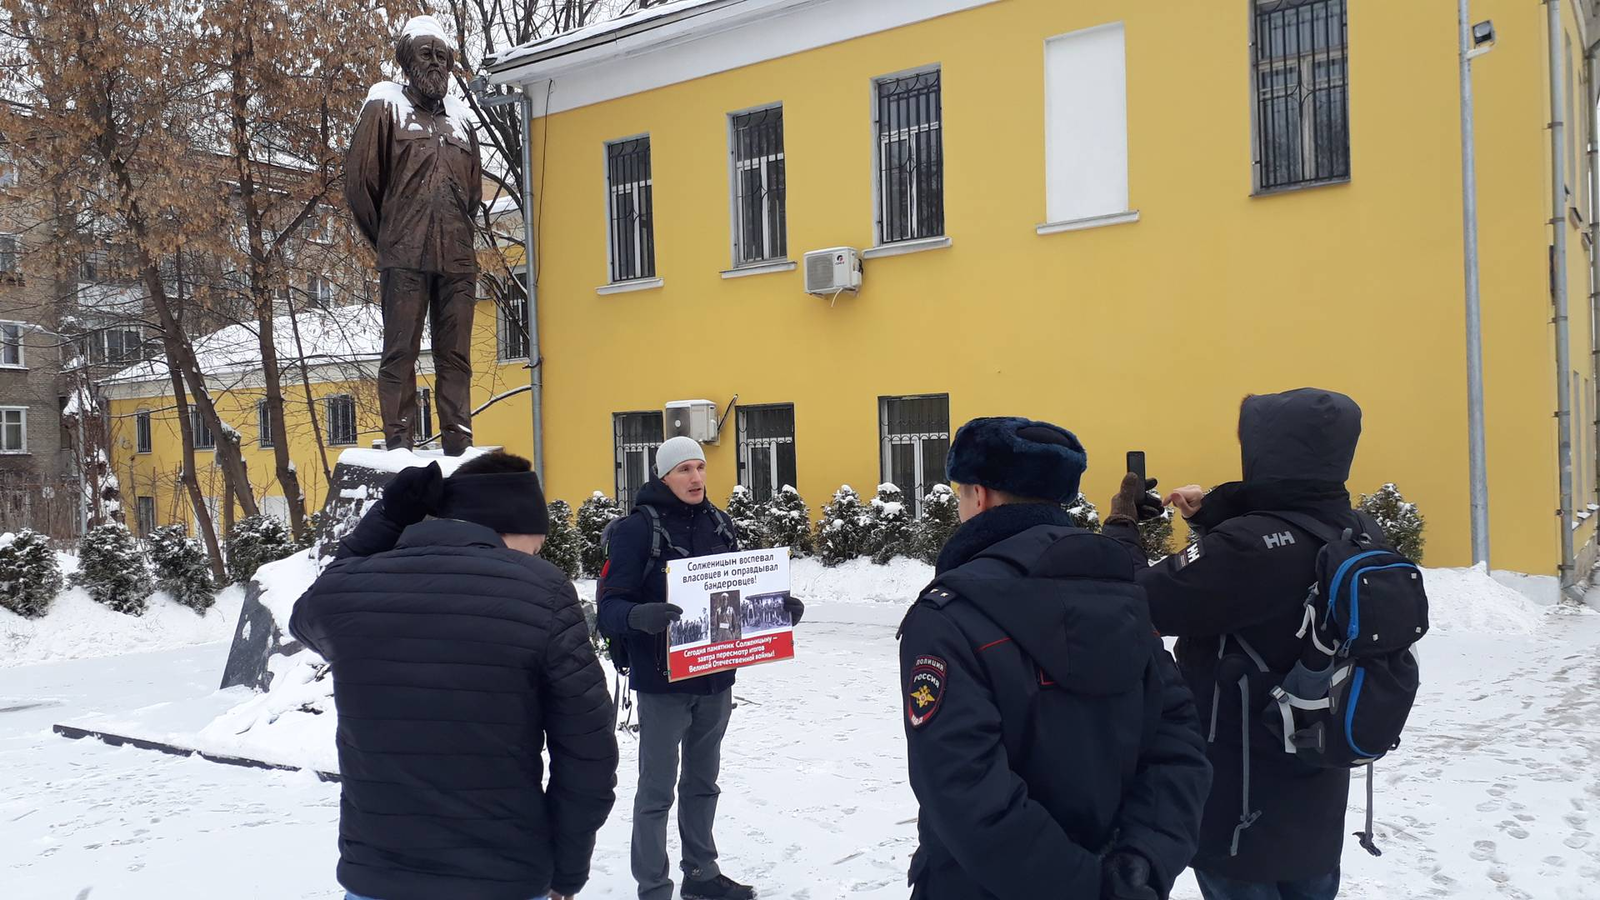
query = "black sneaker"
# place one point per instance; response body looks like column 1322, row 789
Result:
column 719, row 888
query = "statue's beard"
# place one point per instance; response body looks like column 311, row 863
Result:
column 432, row 82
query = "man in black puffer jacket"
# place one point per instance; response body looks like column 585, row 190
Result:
column 672, row 519
column 1051, row 744
column 457, row 655
column 1273, row 831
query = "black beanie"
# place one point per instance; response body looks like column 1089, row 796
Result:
column 1035, row 460
column 506, row 502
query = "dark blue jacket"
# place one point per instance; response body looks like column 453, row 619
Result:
column 631, row 577
column 1045, row 723
column 456, row 662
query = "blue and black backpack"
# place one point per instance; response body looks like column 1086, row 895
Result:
column 1346, row 701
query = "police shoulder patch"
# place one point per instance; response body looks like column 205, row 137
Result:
column 925, row 689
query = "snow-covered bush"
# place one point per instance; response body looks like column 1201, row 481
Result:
column 1156, row 535
column 182, row 569
column 749, row 519
column 1401, row 521
column 1084, row 514
column 941, row 516
column 787, row 521
column 315, row 523
column 563, row 546
column 30, row 577
column 593, row 516
column 254, row 542
column 890, row 528
column 112, row 570
column 844, row 528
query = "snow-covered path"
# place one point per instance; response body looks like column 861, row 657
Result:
column 1496, row 793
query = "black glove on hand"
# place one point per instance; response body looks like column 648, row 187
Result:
column 794, row 608
column 653, row 618
column 1125, row 875
column 413, row 493
column 1136, row 501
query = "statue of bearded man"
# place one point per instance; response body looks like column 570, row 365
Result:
column 414, row 182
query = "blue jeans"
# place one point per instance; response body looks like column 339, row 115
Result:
column 350, row 896
column 1214, row 887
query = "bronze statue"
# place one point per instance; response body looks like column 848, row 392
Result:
column 414, row 182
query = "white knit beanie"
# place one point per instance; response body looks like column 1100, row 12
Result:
column 675, row 452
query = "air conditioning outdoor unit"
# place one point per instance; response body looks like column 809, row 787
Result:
column 695, row 419
column 829, row 272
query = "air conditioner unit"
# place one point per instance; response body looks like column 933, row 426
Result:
column 695, row 419
column 831, row 271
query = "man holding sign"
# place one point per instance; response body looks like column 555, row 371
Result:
column 672, row 521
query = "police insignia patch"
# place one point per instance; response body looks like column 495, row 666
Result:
column 925, row 692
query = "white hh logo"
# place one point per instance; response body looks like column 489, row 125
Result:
column 1274, row 541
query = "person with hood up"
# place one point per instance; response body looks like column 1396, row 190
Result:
column 1053, row 749
column 1274, row 826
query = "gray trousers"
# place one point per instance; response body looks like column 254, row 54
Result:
column 666, row 723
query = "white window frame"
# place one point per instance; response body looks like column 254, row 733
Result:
column 636, row 233
column 914, row 493
column 22, row 412
column 319, row 289
column 763, row 164
column 328, row 412
column 17, row 330
column 10, row 177
column 143, row 434
column 878, row 143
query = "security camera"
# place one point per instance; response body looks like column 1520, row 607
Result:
column 1482, row 39
column 481, row 84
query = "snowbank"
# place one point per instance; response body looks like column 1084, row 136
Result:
column 1470, row 601
column 291, row 725
column 79, row 628
column 859, row 581
column 283, row 582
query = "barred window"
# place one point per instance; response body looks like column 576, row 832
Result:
column 424, row 429
column 638, row 434
column 341, row 411
column 910, row 158
column 512, row 338
column 760, row 222
column 766, row 449
column 203, row 438
column 263, row 423
column 1302, row 95
column 628, row 183
column 141, row 431
column 915, row 432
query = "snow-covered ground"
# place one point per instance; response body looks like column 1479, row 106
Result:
column 1495, row 793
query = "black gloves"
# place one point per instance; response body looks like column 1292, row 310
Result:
column 794, row 608
column 653, row 618
column 412, row 494
column 1136, row 501
column 1125, row 875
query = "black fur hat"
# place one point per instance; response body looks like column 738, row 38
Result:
column 1022, row 457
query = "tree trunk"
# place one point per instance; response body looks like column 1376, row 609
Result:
column 197, row 500
column 311, row 403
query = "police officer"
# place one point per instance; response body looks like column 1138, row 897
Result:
column 1053, row 749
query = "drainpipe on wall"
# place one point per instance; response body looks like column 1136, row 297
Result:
column 1558, row 227
column 1593, row 132
column 531, row 277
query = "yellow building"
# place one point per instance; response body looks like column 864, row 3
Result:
column 1122, row 217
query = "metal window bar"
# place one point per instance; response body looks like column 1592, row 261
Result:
column 424, row 414
column 761, row 221
column 916, row 440
column 513, row 322
column 637, row 437
column 766, row 449
column 633, row 250
column 203, row 438
column 910, row 158
column 1302, row 95
column 263, row 423
column 141, row 423
column 341, row 420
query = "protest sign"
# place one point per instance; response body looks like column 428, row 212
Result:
column 733, row 614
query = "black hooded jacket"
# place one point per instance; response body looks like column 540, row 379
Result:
column 1248, row 576
column 1045, row 724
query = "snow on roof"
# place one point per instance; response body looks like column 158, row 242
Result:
column 611, row 29
column 332, row 335
column 428, row 26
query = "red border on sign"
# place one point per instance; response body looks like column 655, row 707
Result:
column 710, row 659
